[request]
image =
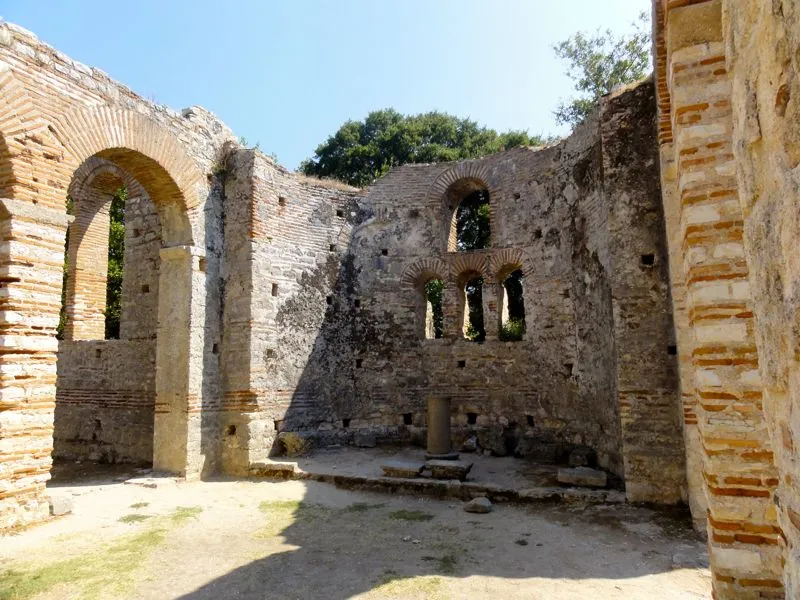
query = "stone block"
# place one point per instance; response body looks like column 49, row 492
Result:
column 295, row 444
column 402, row 468
column 478, row 505
column 583, row 477
column 273, row 469
column 60, row 505
column 582, row 457
column 449, row 469
column 363, row 439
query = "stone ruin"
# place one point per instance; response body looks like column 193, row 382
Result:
column 657, row 245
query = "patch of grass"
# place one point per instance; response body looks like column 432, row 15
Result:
column 184, row 513
column 140, row 504
column 448, row 563
column 282, row 513
column 271, row 506
column 133, row 518
column 393, row 584
column 363, row 507
column 104, row 573
column 410, row 515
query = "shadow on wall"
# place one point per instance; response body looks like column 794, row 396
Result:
column 327, row 398
column 339, row 552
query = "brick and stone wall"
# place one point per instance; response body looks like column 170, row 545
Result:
column 324, row 309
column 58, row 117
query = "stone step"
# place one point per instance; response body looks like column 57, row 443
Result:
column 403, row 468
column 583, row 477
column 449, row 469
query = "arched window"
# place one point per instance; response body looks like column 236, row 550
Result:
column 512, row 313
column 434, row 313
column 95, row 249
column 472, row 305
column 468, row 199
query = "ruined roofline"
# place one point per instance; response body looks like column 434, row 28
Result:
column 27, row 44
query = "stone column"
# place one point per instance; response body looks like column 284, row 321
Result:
column 31, row 271
column 179, row 361
column 438, row 426
column 492, row 298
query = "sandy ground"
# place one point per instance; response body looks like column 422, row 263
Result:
column 298, row 540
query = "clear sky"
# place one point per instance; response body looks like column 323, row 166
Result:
column 288, row 73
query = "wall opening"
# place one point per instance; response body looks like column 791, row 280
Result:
column 472, row 305
column 470, row 221
column 434, row 311
column 512, row 313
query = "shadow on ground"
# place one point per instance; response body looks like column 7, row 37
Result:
column 344, row 551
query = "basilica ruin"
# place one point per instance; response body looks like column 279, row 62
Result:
column 655, row 248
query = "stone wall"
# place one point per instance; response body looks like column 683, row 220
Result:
column 324, row 309
column 58, row 117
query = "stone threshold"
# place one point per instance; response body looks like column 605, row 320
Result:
column 449, row 489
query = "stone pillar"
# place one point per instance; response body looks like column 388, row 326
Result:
column 492, row 297
column 740, row 478
column 438, row 426
column 179, row 361
column 31, row 271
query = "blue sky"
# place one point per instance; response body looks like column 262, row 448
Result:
column 288, row 73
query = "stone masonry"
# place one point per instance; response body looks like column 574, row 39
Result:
column 263, row 311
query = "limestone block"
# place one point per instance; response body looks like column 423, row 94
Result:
column 583, row 476
column 60, row 505
column 449, row 469
column 400, row 468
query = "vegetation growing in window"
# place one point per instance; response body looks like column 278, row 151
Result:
column 473, row 292
column 472, row 222
column 513, row 317
column 116, row 256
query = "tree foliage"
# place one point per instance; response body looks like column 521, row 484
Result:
column 473, row 291
column 600, row 63
column 116, row 256
column 472, row 222
column 361, row 151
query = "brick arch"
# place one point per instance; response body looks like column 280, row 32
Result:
column 92, row 188
column 422, row 271
column 505, row 261
column 100, row 173
column 475, row 170
column 462, row 265
column 142, row 147
column 452, row 186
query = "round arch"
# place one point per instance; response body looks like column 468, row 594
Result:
column 152, row 156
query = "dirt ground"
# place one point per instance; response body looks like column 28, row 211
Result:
column 297, row 540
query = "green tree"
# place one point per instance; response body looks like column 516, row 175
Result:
column 116, row 256
column 361, row 151
column 472, row 222
column 600, row 63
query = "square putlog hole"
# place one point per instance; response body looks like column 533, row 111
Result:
column 461, row 364
column 408, row 419
column 472, row 418
column 648, row 260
